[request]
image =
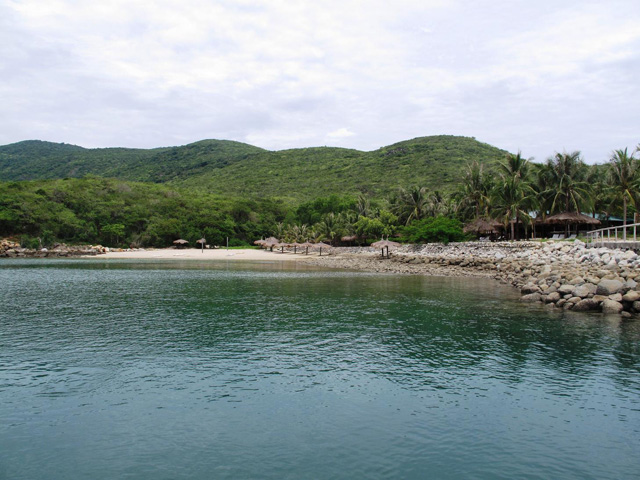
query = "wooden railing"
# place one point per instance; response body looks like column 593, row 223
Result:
column 628, row 233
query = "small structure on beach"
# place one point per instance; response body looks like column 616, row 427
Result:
column 385, row 244
column 571, row 218
column 202, row 243
column 181, row 242
column 483, row 226
column 320, row 246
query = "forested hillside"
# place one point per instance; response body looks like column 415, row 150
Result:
column 237, row 169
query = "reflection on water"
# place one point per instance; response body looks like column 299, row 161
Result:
column 165, row 370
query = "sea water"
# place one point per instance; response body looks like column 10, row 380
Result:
column 155, row 370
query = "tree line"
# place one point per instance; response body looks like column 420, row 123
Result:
column 120, row 213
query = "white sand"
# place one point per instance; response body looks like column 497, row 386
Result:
column 208, row 254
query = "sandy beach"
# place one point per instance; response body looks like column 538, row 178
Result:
column 208, row 254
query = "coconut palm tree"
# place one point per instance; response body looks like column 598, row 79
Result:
column 565, row 176
column 512, row 200
column 624, row 178
column 474, row 192
column 410, row 204
column 513, row 193
column 516, row 166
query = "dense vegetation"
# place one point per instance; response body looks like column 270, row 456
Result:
column 118, row 212
column 237, row 169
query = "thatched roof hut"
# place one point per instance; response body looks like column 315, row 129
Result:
column 483, row 225
column 571, row 218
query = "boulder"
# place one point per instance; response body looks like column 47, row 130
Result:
column 631, row 296
column 566, row 288
column 531, row 298
column 608, row 287
column 616, row 297
column 552, row 297
column 586, row 305
column 529, row 288
column 583, row 291
column 611, row 306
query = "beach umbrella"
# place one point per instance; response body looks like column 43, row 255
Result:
column 260, row 242
column 271, row 242
column 202, row 242
column 382, row 244
column 295, row 246
column 321, row 245
column 306, row 245
column 180, row 242
column 281, row 246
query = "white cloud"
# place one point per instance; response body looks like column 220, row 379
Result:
column 341, row 133
column 280, row 74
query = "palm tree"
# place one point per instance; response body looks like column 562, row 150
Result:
column 330, row 228
column 624, row 177
column 512, row 199
column 410, row 204
column 516, row 166
column 565, row 175
column 513, row 193
column 474, row 192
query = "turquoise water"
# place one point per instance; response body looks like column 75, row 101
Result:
column 202, row 371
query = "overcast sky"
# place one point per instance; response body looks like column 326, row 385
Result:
column 538, row 76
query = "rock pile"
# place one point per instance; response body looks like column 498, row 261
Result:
column 565, row 275
column 12, row 249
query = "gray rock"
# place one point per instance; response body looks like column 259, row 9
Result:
column 529, row 288
column 586, row 305
column 636, row 306
column 566, row 288
column 583, row 291
column 608, row 287
column 531, row 298
column 552, row 297
column 616, row 297
column 576, row 281
column 610, row 306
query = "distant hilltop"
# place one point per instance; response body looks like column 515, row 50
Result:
column 239, row 169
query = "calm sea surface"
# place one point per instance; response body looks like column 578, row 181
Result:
column 185, row 370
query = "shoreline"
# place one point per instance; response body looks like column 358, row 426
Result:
column 563, row 275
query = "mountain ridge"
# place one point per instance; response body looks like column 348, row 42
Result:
column 236, row 168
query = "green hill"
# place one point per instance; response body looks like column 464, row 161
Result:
column 237, row 169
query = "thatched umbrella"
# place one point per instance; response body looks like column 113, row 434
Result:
column 382, row 244
column 260, row 242
column 270, row 243
column 180, row 242
column 571, row 218
column 321, row 245
column 482, row 225
column 281, row 246
column 306, row 245
column 295, row 246
column 202, row 241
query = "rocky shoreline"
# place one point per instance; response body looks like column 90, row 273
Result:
column 10, row 249
column 564, row 275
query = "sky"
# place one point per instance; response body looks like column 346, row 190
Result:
column 536, row 76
